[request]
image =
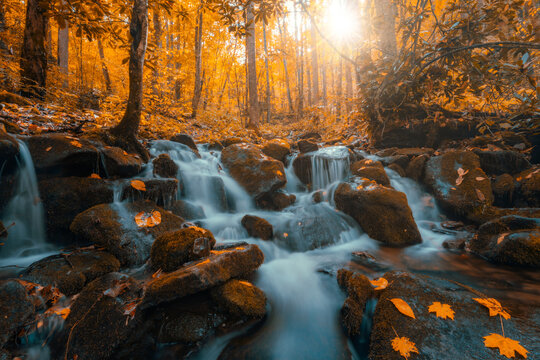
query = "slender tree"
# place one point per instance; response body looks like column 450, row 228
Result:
column 198, row 62
column 63, row 50
column 253, row 108
column 104, row 68
column 268, row 110
column 314, row 65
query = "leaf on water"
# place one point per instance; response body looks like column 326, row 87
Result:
column 480, row 195
column 507, row 346
column 380, row 283
column 76, row 143
column 404, row 346
column 495, row 307
column 138, row 185
column 143, row 219
column 403, row 307
column 443, row 311
column 95, row 176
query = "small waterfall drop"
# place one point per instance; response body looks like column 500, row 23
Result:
column 329, row 165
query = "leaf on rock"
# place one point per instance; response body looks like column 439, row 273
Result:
column 95, row 176
column 461, row 173
column 404, row 346
column 152, row 219
column 76, row 143
column 379, row 284
column 495, row 307
column 48, row 149
column 480, row 195
column 403, row 307
column 479, row 178
column 138, row 185
column 507, row 346
column 63, row 312
column 441, row 310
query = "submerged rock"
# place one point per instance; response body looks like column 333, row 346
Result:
column 164, row 166
column 257, row 173
column 16, row 308
column 383, row 213
column 171, row 250
column 241, row 299
column 258, row 227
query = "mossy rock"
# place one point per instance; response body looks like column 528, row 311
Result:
column 241, row 298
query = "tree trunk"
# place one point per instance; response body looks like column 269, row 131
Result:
column 126, row 131
column 348, row 87
column 34, row 51
column 339, row 90
column 386, row 27
column 104, row 68
column 253, row 108
column 324, row 96
column 198, row 62
column 285, row 70
column 157, row 35
column 268, row 110
column 314, row 66
column 300, row 65
column 63, row 51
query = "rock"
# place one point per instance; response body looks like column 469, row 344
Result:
column 467, row 199
column 241, row 299
column 372, row 171
column 118, row 163
column 413, row 152
column 212, row 187
column 303, row 168
column 188, row 328
column 99, row 320
column 357, row 165
column 161, row 191
column 186, row 140
column 528, row 193
column 278, row 149
column 502, row 162
column 69, row 272
column 318, row 196
column 64, row 198
column 231, row 141
column 221, row 266
column 164, row 166
column 503, row 190
column 416, row 167
column 258, row 227
column 435, row 338
column 7, row 187
column 310, row 135
column 276, row 201
column 398, row 169
column 306, row 146
column 359, row 291
column 186, row 210
column 215, row 145
column 5, row 355
column 171, row 250
column 9, row 149
column 16, row 308
column 113, row 227
column 401, row 160
column 383, row 213
column 11, row 98
column 3, row 230
column 257, row 173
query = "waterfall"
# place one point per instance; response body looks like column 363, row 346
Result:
column 329, row 165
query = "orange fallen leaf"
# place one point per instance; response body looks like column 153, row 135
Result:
column 404, row 346
column 441, row 310
column 63, row 312
column 501, row 238
column 143, row 219
column 285, row 234
column 76, row 143
column 95, row 176
column 380, row 283
column 157, row 274
column 495, row 307
column 461, row 173
column 479, row 178
column 48, row 149
column 279, row 173
column 138, row 185
column 507, row 346
column 246, row 283
column 403, row 307
column 480, row 195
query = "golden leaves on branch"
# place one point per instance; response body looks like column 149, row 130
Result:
column 152, row 219
column 506, row 346
column 443, row 311
column 404, row 346
column 379, row 284
column 138, row 185
column 403, row 307
column 495, row 307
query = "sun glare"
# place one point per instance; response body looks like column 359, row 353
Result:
column 342, row 21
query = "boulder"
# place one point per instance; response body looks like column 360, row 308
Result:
column 240, row 299
column 161, row 191
column 64, row 198
column 218, row 268
column 118, row 163
column 258, row 227
column 278, row 149
column 276, row 200
column 164, row 166
column 310, row 135
column 231, row 141
column 528, row 193
column 113, row 227
column 383, row 213
column 186, row 140
column 401, row 160
column 186, row 210
column 215, row 145
column 186, row 328
column 8, row 184
column 502, row 162
column 467, row 198
column 359, row 291
column 413, row 152
column 16, row 308
column 101, row 319
column 171, row 250
column 255, row 172
column 69, row 272
column 11, row 98
column 9, row 149
column 416, row 167
column 303, row 168
column 398, row 169
column 503, row 190
column 371, row 170
column 306, row 146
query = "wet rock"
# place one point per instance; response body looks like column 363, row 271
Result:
column 368, row 261
column 401, row 160
column 161, row 191
column 383, row 213
column 528, row 193
column 16, row 308
column 502, row 162
column 357, row 165
column 171, row 250
column 455, row 244
column 3, row 230
column 278, row 149
column 416, row 167
column 9, row 149
column 64, row 198
column 306, row 146
column 100, row 319
column 69, row 272
column 471, row 196
column 164, row 166
column 435, row 338
column 276, row 201
column 359, row 291
column 318, row 196
column 503, row 190
column 303, row 168
column 413, row 152
column 188, row 328
column 257, row 173
column 398, row 169
column 113, row 227
column 186, row 140
column 241, row 299
column 214, row 186
column 310, row 135
column 215, row 145
column 370, row 170
column 186, row 210
column 221, row 266
column 8, row 183
column 118, row 163
column 258, row 227
column 326, row 158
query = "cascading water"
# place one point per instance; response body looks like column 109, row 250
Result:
column 329, row 165
column 24, row 216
